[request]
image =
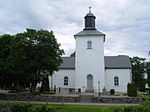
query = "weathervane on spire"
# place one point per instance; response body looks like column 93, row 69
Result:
column 90, row 9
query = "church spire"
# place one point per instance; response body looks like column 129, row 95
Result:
column 89, row 21
column 90, row 9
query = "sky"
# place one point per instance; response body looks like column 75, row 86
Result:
column 126, row 23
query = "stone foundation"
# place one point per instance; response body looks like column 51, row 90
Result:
column 40, row 98
column 70, row 98
column 110, row 99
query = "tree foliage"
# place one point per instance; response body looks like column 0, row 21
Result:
column 73, row 54
column 5, row 70
column 138, row 70
column 32, row 56
column 148, row 72
column 131, row 89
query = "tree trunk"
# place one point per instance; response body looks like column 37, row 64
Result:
column 45, row 84
column 33, row 87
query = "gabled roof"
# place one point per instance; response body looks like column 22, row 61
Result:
column 68, row 63
column 111, row 62
column 117, row 62
column 89, row 33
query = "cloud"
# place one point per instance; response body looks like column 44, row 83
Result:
column 125, row 23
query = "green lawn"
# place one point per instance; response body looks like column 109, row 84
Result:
column 87, row 108
column 29, row 107
column 65, row 107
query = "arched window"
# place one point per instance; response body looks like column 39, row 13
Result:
column 116, row 81
column 65, row 80
column 89, row 45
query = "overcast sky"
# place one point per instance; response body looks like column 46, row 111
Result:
column 126, row 23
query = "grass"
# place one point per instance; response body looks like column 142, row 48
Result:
column 86, row 108
column 29, row 107
column 146, row 95
column 73, row 108
column 49, row 92
column 46, row 92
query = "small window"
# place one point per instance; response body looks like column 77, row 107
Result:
column 116, row 81
column 66, row 81
column 89, row 45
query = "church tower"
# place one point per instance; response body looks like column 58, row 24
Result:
column 89, row 60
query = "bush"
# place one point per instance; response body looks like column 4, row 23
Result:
column 5, row 108
column 19, row 108
column 131, row 90
column 24, row 107
column 112, row 91
column 143, row 107
column 40, row 108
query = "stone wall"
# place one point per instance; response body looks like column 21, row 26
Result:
column 40, row 98
column 119, row 99
column 54, row 98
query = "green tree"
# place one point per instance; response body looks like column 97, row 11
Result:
column 148, row 72
column 73, row 54
column 36, row 55
column 29, row 57
column 138, row 70
column 5, row 69
column 131, row 89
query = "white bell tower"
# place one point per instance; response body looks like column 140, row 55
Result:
column 89, row 60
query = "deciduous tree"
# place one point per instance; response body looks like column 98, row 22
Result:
column 138, row 70
column 5, row 72
column 29, row 57
column 39, row 54
column 148, row 72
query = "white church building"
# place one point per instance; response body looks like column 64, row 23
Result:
column 90, row 70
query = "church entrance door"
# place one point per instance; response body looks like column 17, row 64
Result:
column 89, row 83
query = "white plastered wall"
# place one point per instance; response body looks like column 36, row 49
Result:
column 89, row 61
column 124, row 78
column 58, row 78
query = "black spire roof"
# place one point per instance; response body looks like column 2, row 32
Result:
column 90, row 29
column 89, row 21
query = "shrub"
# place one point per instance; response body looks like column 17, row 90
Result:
column 24, row 107
column 5, row 108
column 19, row 108
column 112, row 91
column 41, row 108
column 131, row 90
column 143, row 107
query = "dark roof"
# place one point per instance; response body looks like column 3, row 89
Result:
column 111, row 62
column 90, row 14
column 89, row 33
column 68, row 63
column 117, row 62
